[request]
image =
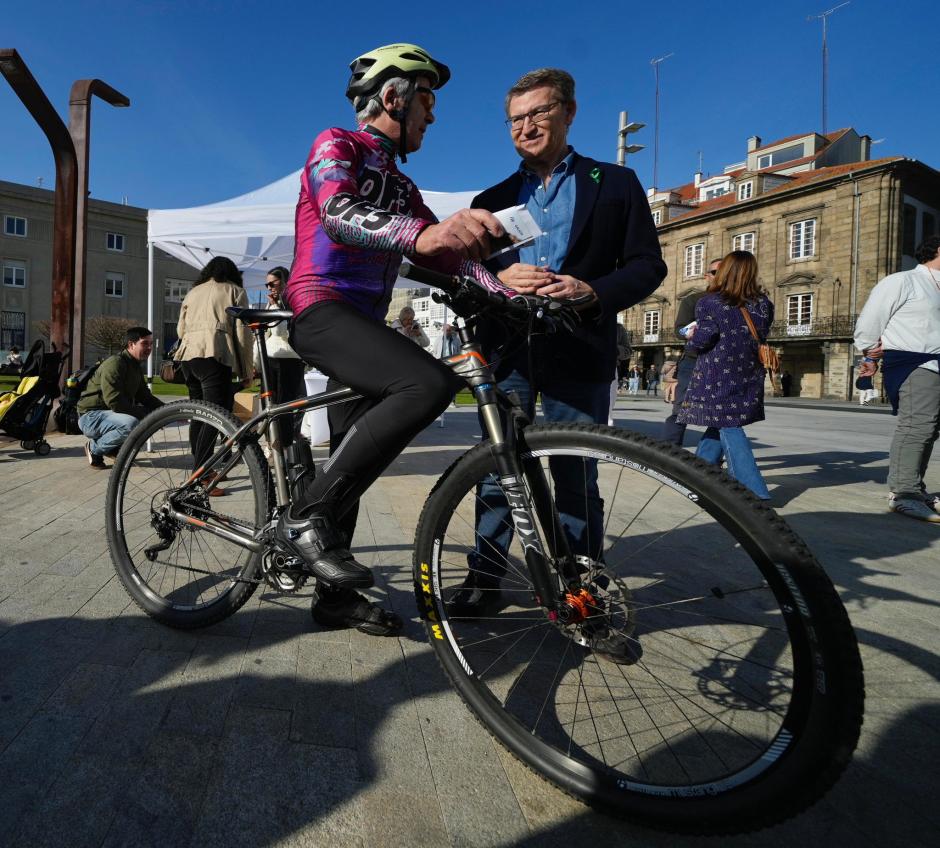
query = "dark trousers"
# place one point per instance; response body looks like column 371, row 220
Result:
column 286, row 378
column 673, row 431
column 207, row 379
column 404, row 390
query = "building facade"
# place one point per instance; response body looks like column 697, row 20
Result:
column 825, row 222
column 116, row 272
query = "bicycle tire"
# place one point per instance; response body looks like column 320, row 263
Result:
column 817, row 706
column 155, row 458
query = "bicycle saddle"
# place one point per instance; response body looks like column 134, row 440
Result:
column 268, row 317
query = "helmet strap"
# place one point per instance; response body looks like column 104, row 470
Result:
column 401, row 115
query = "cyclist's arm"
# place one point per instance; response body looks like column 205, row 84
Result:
column 345, row 215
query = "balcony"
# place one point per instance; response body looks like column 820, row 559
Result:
column 834, row 327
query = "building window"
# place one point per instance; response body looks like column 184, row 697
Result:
column 799, row 314
column 743, row 241
column 651, row 325
column 12, row 330
column 803, row 239
column 909, row 233
column 712, row 193
column 658, row 217
column 694, row 258
column 745, row 190
column 779, row 157
column 174, row 291
column 13, row 226
column 114, row 284
column 14, row 275
column 116, row 242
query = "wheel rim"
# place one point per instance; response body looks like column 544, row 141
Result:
column 723, row 672
column 197, row 569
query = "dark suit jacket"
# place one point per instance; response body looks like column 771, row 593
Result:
column 613, row 247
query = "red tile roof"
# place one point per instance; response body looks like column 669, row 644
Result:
column 796, row 181
column 782, row 141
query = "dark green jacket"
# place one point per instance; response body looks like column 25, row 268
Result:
column 119, row 385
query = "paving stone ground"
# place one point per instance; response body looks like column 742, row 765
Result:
column 265, row 731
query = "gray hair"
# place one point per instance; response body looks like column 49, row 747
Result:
column 558, row 79
column 373, row 107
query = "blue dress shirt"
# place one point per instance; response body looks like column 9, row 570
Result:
column 553, row 209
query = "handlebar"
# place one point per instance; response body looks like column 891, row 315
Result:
column 465, row 294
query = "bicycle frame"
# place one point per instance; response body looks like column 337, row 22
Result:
column 525, row 487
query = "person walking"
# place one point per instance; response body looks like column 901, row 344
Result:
column 652, row 381
column 673, row 431
column 212, row 348
column 636, row 376
column 286, row 368
column 726, row 391
column 669, row 380
column 900, row 324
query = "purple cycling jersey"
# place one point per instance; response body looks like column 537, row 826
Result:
column 357, row 216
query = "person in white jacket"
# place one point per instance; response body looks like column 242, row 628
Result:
column 286, row 372
column 406, row 325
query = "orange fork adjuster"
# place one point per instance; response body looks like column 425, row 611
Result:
column 580, row 604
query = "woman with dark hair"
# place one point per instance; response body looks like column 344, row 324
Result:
column 286, row 372
column 213, row 346
column 726, row 391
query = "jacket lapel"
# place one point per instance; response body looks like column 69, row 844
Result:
column 586, row 190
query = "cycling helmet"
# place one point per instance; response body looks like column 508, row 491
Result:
column 372, row 69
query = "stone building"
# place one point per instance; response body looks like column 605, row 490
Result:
column 116, row 275
column 825, row 222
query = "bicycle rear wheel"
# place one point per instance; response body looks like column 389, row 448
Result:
column 740, row 700
column 179, row 572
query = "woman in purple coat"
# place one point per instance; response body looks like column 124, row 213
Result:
column 727, row 387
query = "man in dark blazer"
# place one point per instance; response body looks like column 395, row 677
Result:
column 600, row 245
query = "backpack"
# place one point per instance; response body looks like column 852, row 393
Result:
column 66, row 415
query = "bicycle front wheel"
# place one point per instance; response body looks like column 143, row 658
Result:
column 739, row 699
column 178, row 571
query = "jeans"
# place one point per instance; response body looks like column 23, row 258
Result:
column 732, row 443
column 575, row 481
column 673, row 431
column 106, row 430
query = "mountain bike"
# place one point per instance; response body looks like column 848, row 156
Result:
column 739, row 701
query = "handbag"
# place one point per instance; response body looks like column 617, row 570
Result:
column 765, row 353
column 171, row 371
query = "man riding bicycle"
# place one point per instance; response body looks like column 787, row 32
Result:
column 357, row 216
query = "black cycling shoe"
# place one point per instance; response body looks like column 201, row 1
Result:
column 478, row 596
column 346, row 608
column 322, row 547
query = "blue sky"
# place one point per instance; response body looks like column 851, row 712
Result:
column 227, row 96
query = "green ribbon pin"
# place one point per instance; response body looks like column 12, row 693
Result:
column 596, row 175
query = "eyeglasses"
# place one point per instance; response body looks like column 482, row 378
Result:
column 426, row 96
column 538, row 115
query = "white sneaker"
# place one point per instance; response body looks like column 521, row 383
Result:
column 921, row 510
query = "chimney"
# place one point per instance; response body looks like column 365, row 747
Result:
column 865, row 148
column 698, row 178
column 753, row 143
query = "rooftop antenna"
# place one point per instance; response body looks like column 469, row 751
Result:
column 656, row 63
column 824, row 16
column 700, row 169
column 39, row 182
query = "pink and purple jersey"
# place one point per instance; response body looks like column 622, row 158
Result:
column 357, row 216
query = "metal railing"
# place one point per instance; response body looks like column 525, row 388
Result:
column 833, row 327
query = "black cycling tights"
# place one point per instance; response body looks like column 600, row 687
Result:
column 404, row 390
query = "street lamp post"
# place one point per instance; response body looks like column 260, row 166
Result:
column 627, row 127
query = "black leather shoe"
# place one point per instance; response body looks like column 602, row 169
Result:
column 478, row 596
column 322, row 546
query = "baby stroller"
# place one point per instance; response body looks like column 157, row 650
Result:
column 24, row 412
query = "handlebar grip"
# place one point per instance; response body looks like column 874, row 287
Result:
column 428, row 277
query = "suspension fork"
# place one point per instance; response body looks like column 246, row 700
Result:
column 515, row 481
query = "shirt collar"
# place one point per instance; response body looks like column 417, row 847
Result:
column 564, row 167
column 384, row 141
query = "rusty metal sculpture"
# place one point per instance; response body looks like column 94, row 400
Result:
column 70, row 215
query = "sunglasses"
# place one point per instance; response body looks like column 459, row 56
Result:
column 271, row 285
column 426, row 96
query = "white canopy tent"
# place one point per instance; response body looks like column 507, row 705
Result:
column 255, row 230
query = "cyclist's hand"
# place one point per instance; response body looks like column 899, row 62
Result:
column 566, row 287
column 524, row 278
column 466, row 232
